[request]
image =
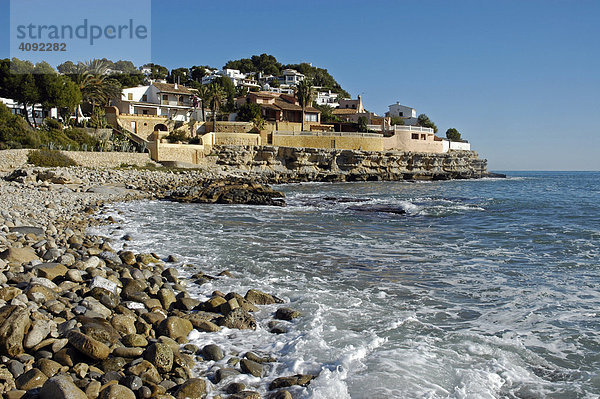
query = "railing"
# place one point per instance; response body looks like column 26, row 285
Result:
column 412, row 128
column 377, row 128
column 327, row 134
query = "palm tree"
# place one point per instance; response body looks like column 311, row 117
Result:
column 203, row 95
column 304, row 93
column 216, row 94
column 97, row 88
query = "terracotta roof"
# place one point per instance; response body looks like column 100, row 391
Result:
column 344, row 111
column 287, row 106
column 170, row 88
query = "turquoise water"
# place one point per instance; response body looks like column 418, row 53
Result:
column 483, row 289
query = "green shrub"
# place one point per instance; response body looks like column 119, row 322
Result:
column 49, row 158
column 52, row 124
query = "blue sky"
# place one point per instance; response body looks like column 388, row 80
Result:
column 519, row 79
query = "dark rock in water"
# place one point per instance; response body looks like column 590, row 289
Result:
column 251, row 367
column 212, row 352
column 238, row 318
column 194, row 388
column 227, row 192
column 345, row 200
column 494, row 175
column 298, row 379
column 378, row 209
column 286, row 314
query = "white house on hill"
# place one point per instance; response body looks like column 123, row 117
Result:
column 401, row 111
column 162, row 99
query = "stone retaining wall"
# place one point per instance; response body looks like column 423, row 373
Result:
column 11, row 159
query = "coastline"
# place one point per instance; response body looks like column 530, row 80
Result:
column 70, row 291
column 78, row 319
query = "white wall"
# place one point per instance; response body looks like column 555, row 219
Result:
column 402, row 111
column 136, row 92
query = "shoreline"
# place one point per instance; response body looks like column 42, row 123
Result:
column 69, row 291
column 93, row 322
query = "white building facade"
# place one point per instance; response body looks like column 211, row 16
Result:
column 327, row 98
column 159, row 99
column 401, row 111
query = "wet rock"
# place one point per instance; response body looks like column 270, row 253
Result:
column 146, row 371
column 212, row 352
column 283, row 394
column 175, row 327
column 194, row 388
column 99, row 329
column 298, row 379
column 224, row 373
column 161, row 356
column 261, row 298
column 245, row 395
column 286, row 314
column 239, row 319
column 134, row 340
column 88, row 346
column 251, row 367
column 116, row 392
column 33, row 378
column 61, row 387
column 49, row 367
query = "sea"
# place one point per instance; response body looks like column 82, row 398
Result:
column 484, row 288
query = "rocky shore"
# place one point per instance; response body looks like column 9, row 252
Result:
column 79, row 319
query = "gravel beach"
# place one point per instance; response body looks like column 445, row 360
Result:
column 81, row 320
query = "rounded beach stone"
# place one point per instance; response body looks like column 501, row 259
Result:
column 116, row 391
column 88, row 346
column 33, row 378
column 212, row 352
column 61, row 387
column 194, row 388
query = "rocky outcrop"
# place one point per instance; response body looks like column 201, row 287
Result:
column 227, row 192
column 284, row 164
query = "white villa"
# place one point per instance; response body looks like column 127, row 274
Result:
column 327, row 98
column 160, row 99
column 291, row 77
column 407, row 113
column 36, row 112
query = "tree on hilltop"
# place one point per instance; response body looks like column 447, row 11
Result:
column 424, row 121
column 453, row 135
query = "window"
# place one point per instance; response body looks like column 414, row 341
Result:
column 423, row 137
column 332, row 143
column 130, row 96
column 165, row 97
column 400, row 113
column 145, row 112
column 415, row 136
column 354, row 106
column 310, row 117
column 145, row 98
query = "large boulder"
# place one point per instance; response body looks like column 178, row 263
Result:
column 61, row 387
column 14, row 321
